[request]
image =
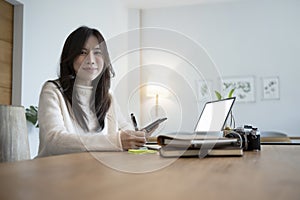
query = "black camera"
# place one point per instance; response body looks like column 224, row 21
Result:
column 249, row 137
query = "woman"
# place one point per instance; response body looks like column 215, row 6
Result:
column 76, row 112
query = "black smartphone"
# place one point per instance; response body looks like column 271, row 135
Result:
column 150, row 127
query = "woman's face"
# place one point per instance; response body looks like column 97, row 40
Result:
column 89, row 64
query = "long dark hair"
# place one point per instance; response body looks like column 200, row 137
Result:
column 101, row 85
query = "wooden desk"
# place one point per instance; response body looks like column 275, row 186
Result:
column 273, row 173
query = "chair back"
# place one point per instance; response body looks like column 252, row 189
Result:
column 14, row 145
column 274, row 136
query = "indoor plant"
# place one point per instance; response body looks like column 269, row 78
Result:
column 32, row 115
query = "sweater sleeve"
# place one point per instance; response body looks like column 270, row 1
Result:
column 56, row 138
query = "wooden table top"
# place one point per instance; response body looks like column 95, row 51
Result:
column 273, row 173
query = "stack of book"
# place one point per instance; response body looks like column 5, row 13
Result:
column 198, row 146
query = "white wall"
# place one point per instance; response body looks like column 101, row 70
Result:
column 257, row 37
column 47, row 23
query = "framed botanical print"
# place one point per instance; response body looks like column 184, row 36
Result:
column 244, row 87
column 270, row 88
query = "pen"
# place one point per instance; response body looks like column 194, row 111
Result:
column 134, row 122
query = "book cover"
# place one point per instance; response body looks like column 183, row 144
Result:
column 196, row 141
column 165, row 151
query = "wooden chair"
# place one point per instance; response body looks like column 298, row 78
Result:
column 14, row 145
column 274, row 136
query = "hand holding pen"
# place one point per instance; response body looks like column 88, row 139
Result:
column 148, row 129
column 132, row 139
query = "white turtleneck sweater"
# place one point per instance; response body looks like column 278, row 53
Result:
column 60, row 133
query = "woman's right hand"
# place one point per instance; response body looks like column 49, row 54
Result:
column 132, row 139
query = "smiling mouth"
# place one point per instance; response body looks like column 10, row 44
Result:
column 90, row 69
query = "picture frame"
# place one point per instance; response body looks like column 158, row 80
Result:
column 204, row 90
column 244, row 87
column 270, row 88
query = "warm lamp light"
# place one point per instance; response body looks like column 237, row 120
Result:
column 156, row 91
